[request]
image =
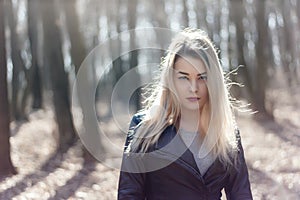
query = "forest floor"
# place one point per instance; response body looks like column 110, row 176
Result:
column 271, row 150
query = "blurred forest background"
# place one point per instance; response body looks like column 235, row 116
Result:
column 43, row 43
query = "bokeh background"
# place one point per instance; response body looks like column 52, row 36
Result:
column 44, row 43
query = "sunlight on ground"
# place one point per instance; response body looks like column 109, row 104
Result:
column 271, row 150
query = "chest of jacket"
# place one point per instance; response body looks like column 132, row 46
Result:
column 170, row 171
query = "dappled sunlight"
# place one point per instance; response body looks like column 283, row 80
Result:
column 272, row 160
column 272, row 149
column 72, row 74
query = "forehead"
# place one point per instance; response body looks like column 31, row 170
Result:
column 190, row 65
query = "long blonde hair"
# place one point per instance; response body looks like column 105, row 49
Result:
column 163, row 109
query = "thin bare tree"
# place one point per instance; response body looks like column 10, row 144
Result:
column 18, row 65
column 237, row 14
column 59, row 78
column 6, row 166
column 35, row 72
column 261, row 58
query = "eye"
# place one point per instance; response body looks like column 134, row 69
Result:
column 203, row 77
column 183, row 77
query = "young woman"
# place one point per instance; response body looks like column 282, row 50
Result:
column 184, row 144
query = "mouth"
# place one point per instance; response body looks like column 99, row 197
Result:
column 193, row 99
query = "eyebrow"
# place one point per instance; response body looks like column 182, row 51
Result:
column 185, row 73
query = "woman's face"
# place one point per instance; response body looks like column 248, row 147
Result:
column 190, row 83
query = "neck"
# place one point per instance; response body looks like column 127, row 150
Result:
column 193, row 121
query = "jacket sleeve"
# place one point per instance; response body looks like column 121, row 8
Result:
column 132, row 178
column 238, row 186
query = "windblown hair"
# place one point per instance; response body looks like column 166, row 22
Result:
column 162, row 107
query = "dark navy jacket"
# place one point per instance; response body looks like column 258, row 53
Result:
column 170, row 172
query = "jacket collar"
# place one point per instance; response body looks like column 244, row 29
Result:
column 170, row 143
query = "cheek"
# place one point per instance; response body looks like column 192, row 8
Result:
column 180, row 91
column 179, row 86
column 204, row 91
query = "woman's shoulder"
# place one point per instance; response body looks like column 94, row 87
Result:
column 136, row 121
column 238, row 140
column 237, row 152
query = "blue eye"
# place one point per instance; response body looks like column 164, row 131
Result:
column 203, row 77
column 184, row 78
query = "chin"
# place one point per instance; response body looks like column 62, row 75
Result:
column 192, row 108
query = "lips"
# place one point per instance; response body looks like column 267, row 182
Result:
column 193, row 99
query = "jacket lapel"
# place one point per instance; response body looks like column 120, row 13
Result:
column 170, row 142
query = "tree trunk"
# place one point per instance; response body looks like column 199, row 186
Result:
column 298, row 16
column 201, row 13
column 236, row 16
column 58, row 75
column 298, row 13
column 116, row 45
column 78, row 51
column 36, row 87
column 289, row 51
column 185, row 16
column 217, row 24
column 262, row 58
column 18, row 64
column 35, row 78
column 6, row 166
column 159, row 18
column 134, row 52
column 78, row 54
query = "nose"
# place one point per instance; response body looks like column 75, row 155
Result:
column 193, row 86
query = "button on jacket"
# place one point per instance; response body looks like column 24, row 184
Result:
column 169, row 172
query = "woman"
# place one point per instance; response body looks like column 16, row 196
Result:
column 184, row 144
